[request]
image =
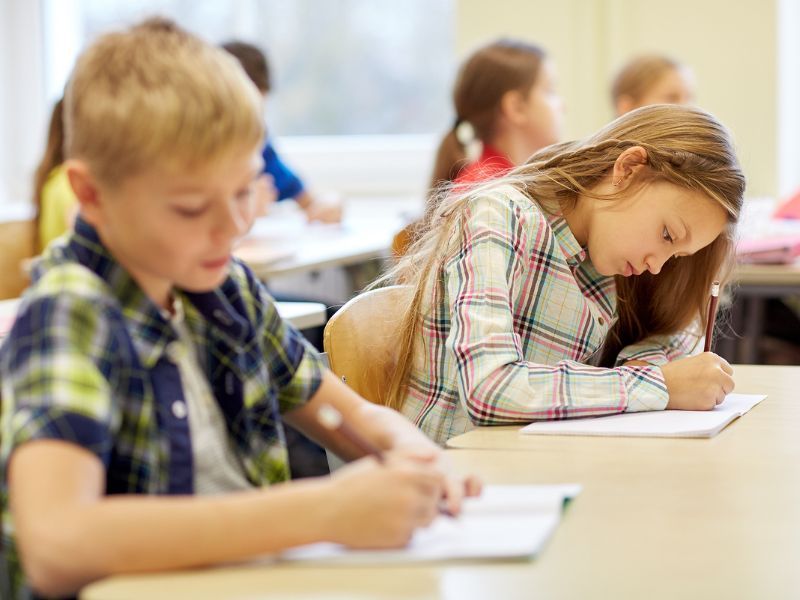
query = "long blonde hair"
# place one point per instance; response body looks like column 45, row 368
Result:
column 685, row 146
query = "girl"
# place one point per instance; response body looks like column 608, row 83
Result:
column 54, row 201
column 505, row 99
column 651, row 79
column 596, row 251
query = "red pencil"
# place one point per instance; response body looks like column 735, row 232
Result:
column 712, row 315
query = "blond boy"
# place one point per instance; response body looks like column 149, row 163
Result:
column 145, row 361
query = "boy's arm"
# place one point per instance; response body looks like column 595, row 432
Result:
column 383, row 426
column 69, row 534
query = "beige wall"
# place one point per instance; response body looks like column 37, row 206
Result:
column 731, row 46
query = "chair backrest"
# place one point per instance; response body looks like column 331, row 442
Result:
column 361, row 339
column 16, row 245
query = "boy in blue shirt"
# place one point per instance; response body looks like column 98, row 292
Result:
column 287, row 184
column 145, row 381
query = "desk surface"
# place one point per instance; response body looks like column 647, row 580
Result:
column 658, row 518
column 283, row 243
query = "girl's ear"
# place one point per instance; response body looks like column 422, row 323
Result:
column 512, row 106
column 85, row 188
column 624, row 104
column 628, row 163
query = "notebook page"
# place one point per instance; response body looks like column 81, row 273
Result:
column 483, row 530
column 660, row 423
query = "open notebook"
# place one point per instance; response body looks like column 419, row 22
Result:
column 661, row 423
column 506, row 521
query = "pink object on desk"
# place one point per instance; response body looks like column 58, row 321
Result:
column 776, row 250
column 790, row 209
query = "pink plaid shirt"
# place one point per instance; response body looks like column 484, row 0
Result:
column 517, row 312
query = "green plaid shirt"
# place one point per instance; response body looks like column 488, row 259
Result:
column 85, row 362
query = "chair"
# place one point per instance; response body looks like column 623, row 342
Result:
column 16, row 245
column 360, row 339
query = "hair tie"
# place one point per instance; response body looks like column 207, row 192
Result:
column 465, row 133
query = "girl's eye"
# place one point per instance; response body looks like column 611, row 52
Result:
column 189, row 213
column 665, row 234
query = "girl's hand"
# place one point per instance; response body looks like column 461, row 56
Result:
column 698, row 382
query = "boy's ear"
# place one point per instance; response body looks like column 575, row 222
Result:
column 85, row 188
column 628, row 164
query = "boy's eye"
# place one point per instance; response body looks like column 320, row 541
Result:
column 665, row 234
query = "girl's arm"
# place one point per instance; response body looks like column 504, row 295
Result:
column 69, row 534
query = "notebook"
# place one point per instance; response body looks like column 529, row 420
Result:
column 506, row 521
column 661, row 423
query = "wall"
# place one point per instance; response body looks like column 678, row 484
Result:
column 731, row 46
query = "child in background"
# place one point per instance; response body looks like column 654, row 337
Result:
column 254, row 62
column 147, row 376
column 651, row 79
column 598, row 251
column 506, row 104
column 56, row 205
column 505, row 99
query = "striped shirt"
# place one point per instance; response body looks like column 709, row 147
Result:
column 88, row 362
column 516, row 314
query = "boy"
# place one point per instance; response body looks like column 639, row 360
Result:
column 287, row 183
column 145, row 361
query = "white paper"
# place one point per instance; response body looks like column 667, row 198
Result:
column 506, row 521
column 659, row 423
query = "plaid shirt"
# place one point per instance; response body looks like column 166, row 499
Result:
column 517, row 312
column 86, row 362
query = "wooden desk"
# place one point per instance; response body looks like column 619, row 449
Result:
column 301, row 314
column 658, row 518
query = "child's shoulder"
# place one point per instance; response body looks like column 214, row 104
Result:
column 505, row 202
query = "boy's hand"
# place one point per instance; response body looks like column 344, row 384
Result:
column 456, row 487
column 698, row 382
column 379, row 505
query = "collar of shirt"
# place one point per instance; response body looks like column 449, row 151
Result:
column 150, row 328
column 573, row 251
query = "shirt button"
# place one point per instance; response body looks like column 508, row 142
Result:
column 601, row 320
column 179, row 409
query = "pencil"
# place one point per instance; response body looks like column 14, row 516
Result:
column 712, row 315
column 332, row 419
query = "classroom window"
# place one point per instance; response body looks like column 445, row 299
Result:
column 343, row 67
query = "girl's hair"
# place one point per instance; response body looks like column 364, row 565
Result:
column 488, row 74
column 685, row 146
column 639, row 75
column 53, row 156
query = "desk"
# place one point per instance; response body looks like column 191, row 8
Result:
column 283, row 243
column 753, row 285
column 301, row 314
column 658, row 518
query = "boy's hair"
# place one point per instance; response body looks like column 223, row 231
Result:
column 487, row 75
column 157, row 95
column 685, row 146
column 253, row 61
column 637, row 76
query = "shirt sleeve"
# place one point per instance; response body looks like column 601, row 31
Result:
column 500, row 245
column 57, row 375
column 295, row 367
column 286, row 182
